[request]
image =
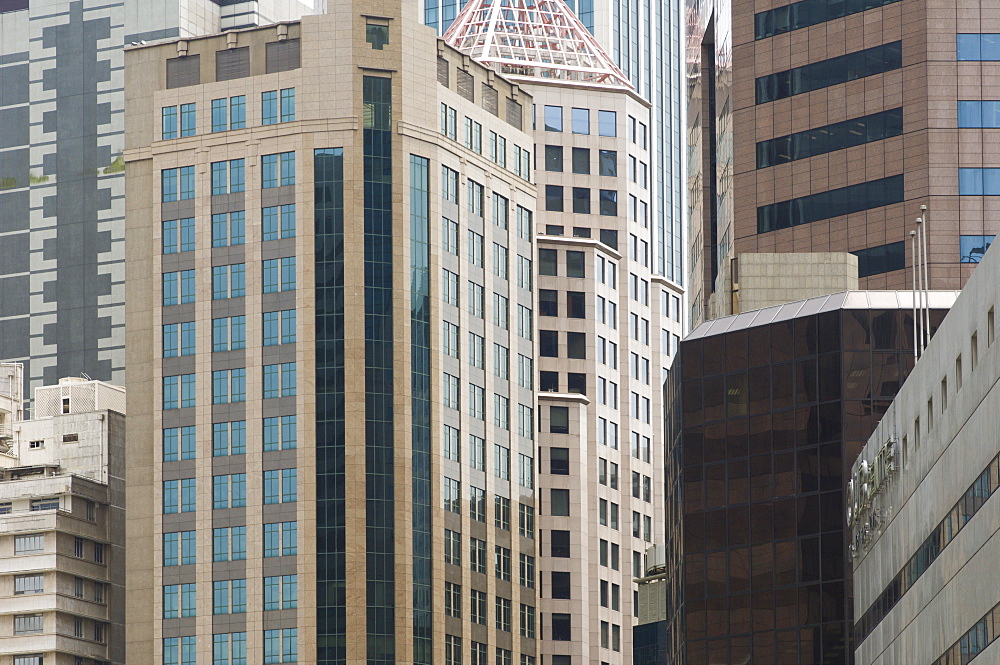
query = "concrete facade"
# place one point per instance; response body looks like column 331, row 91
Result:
column 598, row 290
column 767, row 280
column 925, row 526
column 394, row 399
column 62, row 200
column 62, row 529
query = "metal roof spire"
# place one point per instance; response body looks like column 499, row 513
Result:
column 533, row 39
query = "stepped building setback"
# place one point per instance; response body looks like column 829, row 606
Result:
column 62, row 523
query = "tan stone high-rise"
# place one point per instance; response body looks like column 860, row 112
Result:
column 608, row 325
column 847, row 117
column 330, row 348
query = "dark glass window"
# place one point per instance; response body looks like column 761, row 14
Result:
column 610, row 238
column 559, row 421
column 561, row 583
column 575, row 264
column 977, row 46
column 559, row 547
column 554, row 230
column 554, row 158
column 826, row 73
column 803, row 14
column 576, row 383
column 562, row 628
column 972, row 248
column 829, row 138
column 581, row 232
column 559, row 501
column 559, row 461
column 581, row 161
column 547, row 262
column 882, row 259
column 824, row 205
column 549, row 381
column 608, row 161
column 548, row 343
column 576, row 304
column 554, row 198
column 581, row 200
column 607, row 123
column 609, row 202
column 576, row 345
column 548, row 302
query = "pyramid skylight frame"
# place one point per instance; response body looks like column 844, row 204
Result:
column 533, row 39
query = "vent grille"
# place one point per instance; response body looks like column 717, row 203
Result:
column 466, row 85
column 183, row 71
column 232, row 63
column 515, row 116
column 282, row 56
column 443, row 71
column 491, row 100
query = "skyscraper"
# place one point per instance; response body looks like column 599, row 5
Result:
column 848, row 119
column 777, row 404
column 608, row 325
column 330, row 343
column 645, row 38
column 62, row 200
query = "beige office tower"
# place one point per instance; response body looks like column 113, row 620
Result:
column 607, row 326
column 330, row 349
column 62, row 523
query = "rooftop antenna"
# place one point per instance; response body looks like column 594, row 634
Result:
column 913, row 255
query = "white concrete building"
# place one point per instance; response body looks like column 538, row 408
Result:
column 925, row 533
column 62, row 523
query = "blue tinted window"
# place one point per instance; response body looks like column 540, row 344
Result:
column 984, row 114
column 977, row 46
column 188, row 120
column 238, row 112
column 972, row 248
column 269, row 107
column 553, row 119
column 169, row 122
column 979, row 182
column 220, row 121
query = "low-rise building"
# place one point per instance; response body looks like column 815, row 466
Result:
column 925, row 535
column 62, row 523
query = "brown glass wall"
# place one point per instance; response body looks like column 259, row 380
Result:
column 773, row 418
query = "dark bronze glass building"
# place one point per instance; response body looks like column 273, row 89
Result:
column 776, row 405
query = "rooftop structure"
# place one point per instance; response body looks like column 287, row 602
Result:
column 543, row 39
column 62, row 524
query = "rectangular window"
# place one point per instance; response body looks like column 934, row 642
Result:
column 228, row 228
column 238, row 112
column 189, row 120
column 288, row 105
column 178, row 235
column 449, row 184
column 847, row 134
column 977, row 47
column 972, row 248
column 832, row 203
column 553, row 118
column 168, row 123
column 554, row 198
column 278, row 222
column 830, row 72
column 269, row 107
column 278, row 170
column 220, row 120
column 279, row 274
